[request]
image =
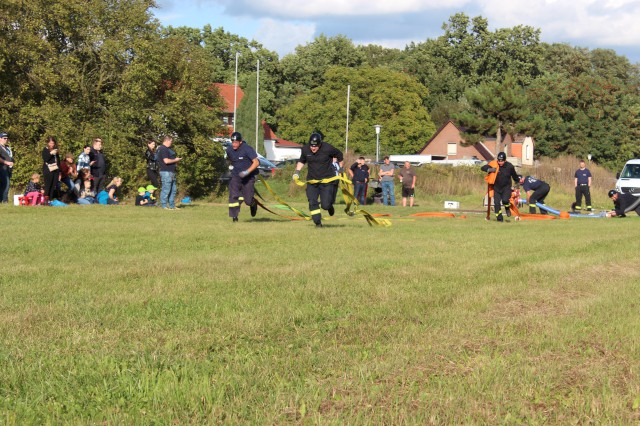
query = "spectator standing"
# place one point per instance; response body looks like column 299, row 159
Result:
column 359, row 174
column 98, row 164
column 6, row 166
column 152, row 163
column 582, row 183
column 408, row 179
column 167, row 161
column 84, row 162
column 386, row 181
column 318, row 156
column 50, row 167
column 68, row 171
column 537, row 190
column 336, row 184
column 244, row 160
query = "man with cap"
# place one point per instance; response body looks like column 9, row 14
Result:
column 504, row 173
column 537, row 190
column 623, row 204
column 6, row 164
column 244, row 160
column 318, row 156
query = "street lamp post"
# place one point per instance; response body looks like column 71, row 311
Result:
column 378, row 127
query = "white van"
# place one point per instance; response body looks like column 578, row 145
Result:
column 629, row 178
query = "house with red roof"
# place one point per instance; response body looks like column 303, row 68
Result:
column 229, row 92
column 447, row 143
column 277, row 149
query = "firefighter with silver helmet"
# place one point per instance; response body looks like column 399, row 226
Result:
column 318, row 156
column 244, row 160
column 503, row 172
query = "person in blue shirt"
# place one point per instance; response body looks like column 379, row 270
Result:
column 582, row 183
column 167, row 162
column 537, row 190
column 244, row 160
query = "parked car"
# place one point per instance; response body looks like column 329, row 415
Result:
column 629, row 178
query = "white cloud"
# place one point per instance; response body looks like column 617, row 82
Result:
column 589, row 23
column 307, row 9
column 283, row 36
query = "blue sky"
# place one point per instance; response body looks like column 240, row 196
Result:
column 281, row 25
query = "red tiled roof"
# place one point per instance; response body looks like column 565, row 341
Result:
column 227, row 93
column 269, row 134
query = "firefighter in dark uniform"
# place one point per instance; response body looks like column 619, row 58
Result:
column 318, row 156
column 583, row 187
column 622, row 203
column 502, row 185
column 540, row 191
column 244, row 160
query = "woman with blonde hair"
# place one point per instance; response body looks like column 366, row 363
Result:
column 112, row 188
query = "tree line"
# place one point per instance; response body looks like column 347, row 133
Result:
column 85, row 68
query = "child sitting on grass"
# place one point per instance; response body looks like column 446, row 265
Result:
column 34, row 192
column 149, row 195
column 141, row 198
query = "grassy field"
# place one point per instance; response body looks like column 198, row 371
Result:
column 125, row 315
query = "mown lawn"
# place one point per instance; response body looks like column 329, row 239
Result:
column 125, row 315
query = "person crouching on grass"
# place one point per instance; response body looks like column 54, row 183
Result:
column 622, row 202
column 244, row 160
column 318, row 156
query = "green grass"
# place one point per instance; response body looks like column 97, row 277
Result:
column 125, row 315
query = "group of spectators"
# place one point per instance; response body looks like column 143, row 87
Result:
column 69, row 180
column 82, row 179
column 360, row 175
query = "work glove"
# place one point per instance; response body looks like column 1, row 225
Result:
column 296, row 175
column 243, row 173
column 491, row 169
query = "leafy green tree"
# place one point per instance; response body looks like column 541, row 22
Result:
column 585, row 114
column 468, row 54
column 378, row 96
column 305, row 69
column 494, row 109
column 84, row 68
column 246, row 115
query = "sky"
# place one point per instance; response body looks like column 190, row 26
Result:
column 281, row 25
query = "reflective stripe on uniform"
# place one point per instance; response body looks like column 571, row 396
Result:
column 312, row 212
column 234, row 204
column 240, row 198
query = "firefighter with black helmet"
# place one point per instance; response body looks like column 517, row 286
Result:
column 623, row 203
column 536, row 190
column 504, row 172
column 318, row 156
column 244, row 160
